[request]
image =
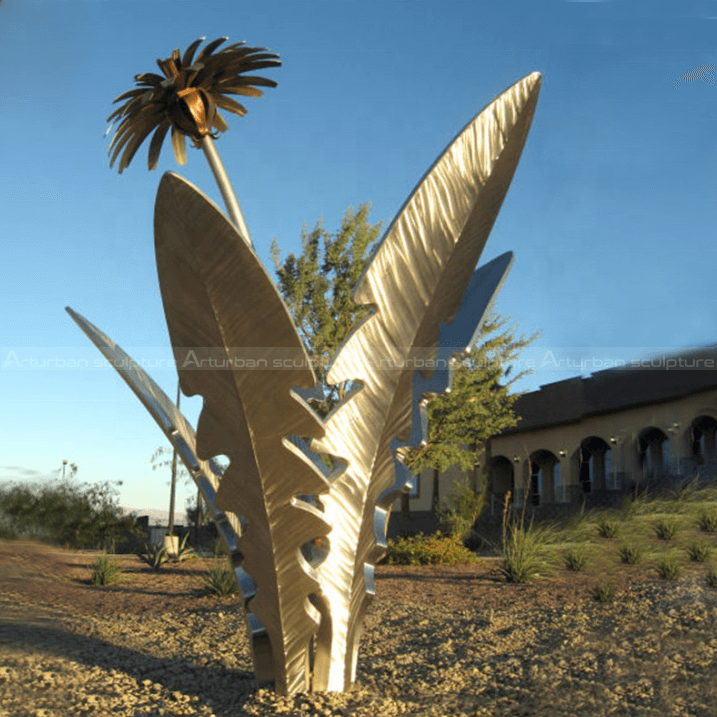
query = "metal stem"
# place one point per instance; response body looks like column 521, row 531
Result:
column 173, row 489
column 225, row 187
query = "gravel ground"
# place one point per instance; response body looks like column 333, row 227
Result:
column 651, row 652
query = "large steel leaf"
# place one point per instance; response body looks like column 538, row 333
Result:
column 415, row 282
column 226, row 321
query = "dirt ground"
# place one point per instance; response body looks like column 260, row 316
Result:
column 42, row 575
column 440, row 641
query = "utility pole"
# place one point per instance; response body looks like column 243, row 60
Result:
column 170, row 543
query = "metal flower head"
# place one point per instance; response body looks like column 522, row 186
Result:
column 186, row 98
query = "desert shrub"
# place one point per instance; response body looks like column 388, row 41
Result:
column 154, row 555
column 219, row 548
column 220, row 581
column 66, row 513
column 607, row 528
column 668, row 569
column 473, row 541
column 522, row 548
column 604, row 592
column 185, row 552
column 7, row 532
column 712, row 578
column 666, row 529
column 699, row 552
column 106, row 570
column 428, row 550
column 576, row 559
column 630, row 554
column 708, row 522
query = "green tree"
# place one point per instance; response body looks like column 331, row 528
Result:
column 317, row 286
column 67, row 513
column 478, row 406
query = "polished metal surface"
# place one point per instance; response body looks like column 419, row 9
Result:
column 169, row 418
column 415, row 282
column 228, row 327
column 206, row 474
column 217, row 295
column 457, row 336
column 185, row 98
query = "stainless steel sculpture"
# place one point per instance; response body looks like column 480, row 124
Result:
column 305, row 607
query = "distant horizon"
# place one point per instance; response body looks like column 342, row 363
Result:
column 157, row 514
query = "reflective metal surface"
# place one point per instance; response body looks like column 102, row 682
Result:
column 307, row 614
column 217, row 295
column 415, row 282
column 454, row 337
column 185, row 98
column 206, row 474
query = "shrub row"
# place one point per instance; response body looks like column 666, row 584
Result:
column 69, row 514
column 428, row 550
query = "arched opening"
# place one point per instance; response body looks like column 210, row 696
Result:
column 595, row 464
column 702, row 443
column 541, row 486
column 501, row 482
column 501, row 473
column 653, row 452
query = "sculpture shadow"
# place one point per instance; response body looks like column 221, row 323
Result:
column 39, row 635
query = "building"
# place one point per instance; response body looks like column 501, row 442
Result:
column 590, row 439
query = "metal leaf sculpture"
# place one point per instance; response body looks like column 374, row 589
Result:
column 174, row 425
column 305, row 610
column 415, row 282
column 458, row 336
column 206, row 474
column 217, row 295
column 186, row 98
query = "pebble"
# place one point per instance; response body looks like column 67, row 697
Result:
column 419, row 660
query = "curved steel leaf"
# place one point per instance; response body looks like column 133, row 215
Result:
column 169, row 418
column 219, row 303
column 454, row 337
column 415, row 282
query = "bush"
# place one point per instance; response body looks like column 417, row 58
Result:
column 473, row 541
column 708, row 522
column 185, row 552
column 220, row 581
column 154, row 555
column 576, row 559
column 630, row 554
column 65, row 513
column 712, row 578
column 433, row 549
column 7, row 532
column 462, row 507
column 666, row 529
column 668, row 569
column 604, row 592
column 699, row 552
column 219, row 548
column 607, row 528
column 106, row 571
column 522, row 549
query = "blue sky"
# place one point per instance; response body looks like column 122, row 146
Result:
column 611, row 214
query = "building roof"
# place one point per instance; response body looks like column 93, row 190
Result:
column 644, row 382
